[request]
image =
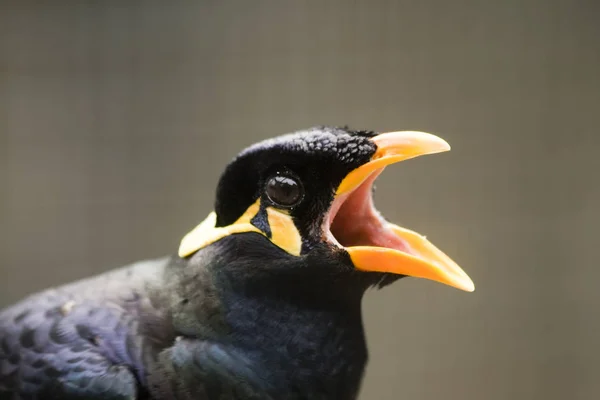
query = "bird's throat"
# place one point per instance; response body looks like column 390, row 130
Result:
column 309, row 345
column 304, row 328
column 299, row 324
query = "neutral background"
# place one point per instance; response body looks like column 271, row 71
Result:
column 116, row 119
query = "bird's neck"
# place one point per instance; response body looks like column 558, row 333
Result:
column 296, row 321
column 305, row 328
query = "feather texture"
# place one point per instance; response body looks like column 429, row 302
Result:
column 83, row 340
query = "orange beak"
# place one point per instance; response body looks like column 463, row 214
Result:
column 375, row 244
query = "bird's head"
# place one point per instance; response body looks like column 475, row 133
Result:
column 308, row 195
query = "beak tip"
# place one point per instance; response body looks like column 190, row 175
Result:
column 423, row 142
column 467, row 286
column 441, row 144
column 438, row 145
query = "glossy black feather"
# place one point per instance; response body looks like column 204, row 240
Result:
column 234, row 326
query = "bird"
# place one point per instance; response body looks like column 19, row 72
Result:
column 262, row 300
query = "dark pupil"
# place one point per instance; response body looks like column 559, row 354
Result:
column 283, row 190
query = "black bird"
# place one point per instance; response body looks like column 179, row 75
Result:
column 263, row 300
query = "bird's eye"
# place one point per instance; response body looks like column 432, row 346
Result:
column 284, row 190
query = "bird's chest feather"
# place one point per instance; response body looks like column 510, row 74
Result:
column 280, row 332
column 300, row 351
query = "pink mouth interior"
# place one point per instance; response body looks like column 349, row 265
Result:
column 354, row 221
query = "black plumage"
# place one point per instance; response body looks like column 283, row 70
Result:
column 260, row 303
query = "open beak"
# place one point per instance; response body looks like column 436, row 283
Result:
column 375, row 244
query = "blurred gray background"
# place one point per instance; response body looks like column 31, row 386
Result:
column 116, row 119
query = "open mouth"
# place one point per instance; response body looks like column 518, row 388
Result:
column 375, row 244
column 354, row 221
